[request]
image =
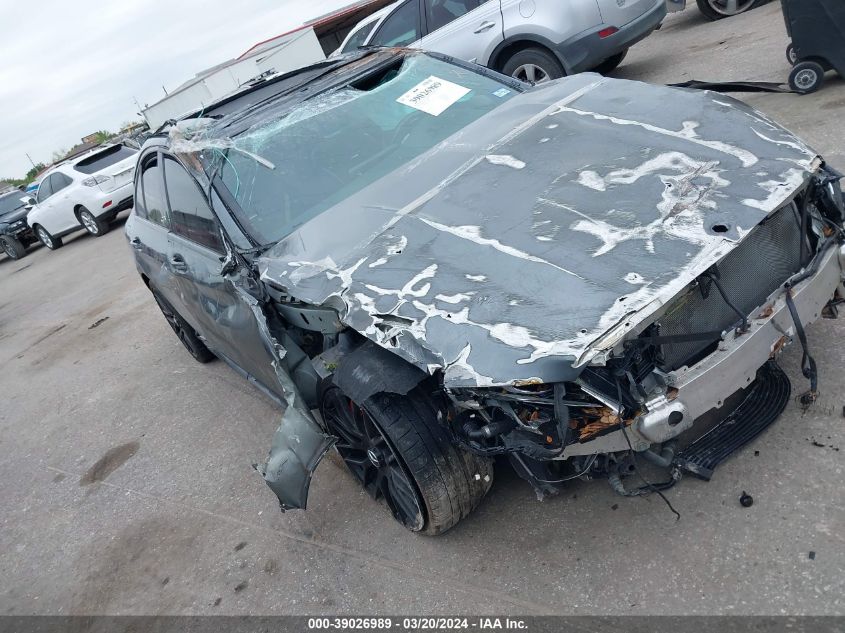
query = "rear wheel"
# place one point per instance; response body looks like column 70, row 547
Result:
column 397, row 449
column 95, row 226
column 806, row 77
column 46, row 239
column 718, row 9
column 184, row 331
column 533, row 65
column 791, row 55
column 611, row 63
column 12, row 246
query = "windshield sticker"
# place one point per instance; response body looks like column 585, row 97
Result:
column 501, row 92
column 433, row 95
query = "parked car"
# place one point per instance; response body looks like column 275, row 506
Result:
column 15, row 235
column 531, row 41
column 430, row 264
column 84, row 193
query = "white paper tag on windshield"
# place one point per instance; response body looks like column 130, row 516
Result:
column 433, row 95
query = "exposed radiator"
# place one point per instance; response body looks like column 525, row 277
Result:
column 766, row 258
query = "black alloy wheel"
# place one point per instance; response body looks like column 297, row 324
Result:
column 184, row 331
column 371, row 458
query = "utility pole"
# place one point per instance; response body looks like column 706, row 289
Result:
column 34, row 166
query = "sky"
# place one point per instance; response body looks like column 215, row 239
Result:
column 72, row 68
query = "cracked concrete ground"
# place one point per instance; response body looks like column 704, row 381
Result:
column 127, row 487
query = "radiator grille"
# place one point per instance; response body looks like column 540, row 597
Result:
column 766, row 258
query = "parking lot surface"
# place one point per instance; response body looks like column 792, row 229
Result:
column 127, row 481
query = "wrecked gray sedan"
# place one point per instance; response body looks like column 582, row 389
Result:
column 430, row 265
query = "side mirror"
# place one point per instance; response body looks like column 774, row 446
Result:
column 28, row 202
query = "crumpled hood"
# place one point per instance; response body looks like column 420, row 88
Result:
column 14, row 216
column 509, row 251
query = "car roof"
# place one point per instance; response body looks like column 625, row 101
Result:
column 245, row 106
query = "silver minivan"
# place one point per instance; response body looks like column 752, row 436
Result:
column 533, row 40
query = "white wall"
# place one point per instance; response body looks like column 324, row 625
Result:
column 300, row 51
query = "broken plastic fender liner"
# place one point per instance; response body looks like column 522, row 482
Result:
column 299, row 443
column 297, row 449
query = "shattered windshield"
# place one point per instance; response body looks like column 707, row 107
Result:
column 286, row 171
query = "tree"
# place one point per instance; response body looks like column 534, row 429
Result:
column 101, row 136
column 32, row 173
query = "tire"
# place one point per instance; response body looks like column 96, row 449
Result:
column 718, row 9
column 533, row 65
column 611, row 63
column 806, row 77
column 53, row 243
column 184, row 331
column 94, row 225
column 12, row 246
column 791, row 55
column 413, row 453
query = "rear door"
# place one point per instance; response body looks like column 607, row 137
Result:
column 466, row 29
column 213, row 303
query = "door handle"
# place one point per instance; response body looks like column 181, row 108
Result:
column 135, row 243
column 485, row 26
column 177, row 262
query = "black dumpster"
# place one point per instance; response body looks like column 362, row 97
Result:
column 817, row 31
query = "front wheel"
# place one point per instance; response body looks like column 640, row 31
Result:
column 533, row 65
column 46, row 239
column 12, row 246
column 611, row 63
column 95, row 226
column 398, row 450
column 806, row 77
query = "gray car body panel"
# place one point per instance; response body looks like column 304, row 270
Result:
column 522, row 247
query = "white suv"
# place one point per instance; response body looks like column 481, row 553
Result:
column 532, row 40
column 86, row 192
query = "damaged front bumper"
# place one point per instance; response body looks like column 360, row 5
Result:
column 693, row 391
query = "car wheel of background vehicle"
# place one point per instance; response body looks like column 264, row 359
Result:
column 791, row 55
column 396, row 447
column 184, row 331
column 533, row 65
column 46, row 239
column 806, row 77
column 611, row 63
column 718, row 9
column 12, row 247
column 95, row 226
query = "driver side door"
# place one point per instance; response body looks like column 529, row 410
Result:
column 218, row 305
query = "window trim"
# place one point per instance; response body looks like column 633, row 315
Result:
column 154, row 155
column 420, row 22
column 210, row 208
column 427, row 30
column 38, row 199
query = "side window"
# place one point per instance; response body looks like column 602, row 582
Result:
column 45, row 190
column 440, row 12
column 401, row 27
column 154, row 202
column 59, row 181
column 190, row 215
column 359, row 37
